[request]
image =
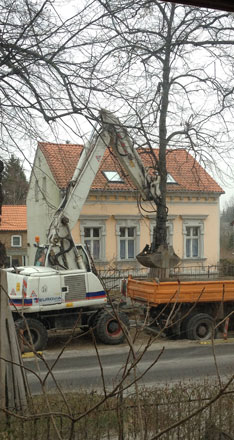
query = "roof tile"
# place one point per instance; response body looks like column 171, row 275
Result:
column 186, row 171
column 13, row 218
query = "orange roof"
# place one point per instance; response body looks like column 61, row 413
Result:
column 62, row 160
column 13, row 218
column 186, row 171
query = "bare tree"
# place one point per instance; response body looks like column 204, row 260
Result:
column 45, row 69
column 167, row 67
column 164, row 67
column 170, row 68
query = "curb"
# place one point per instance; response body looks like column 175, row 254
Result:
column 30, row 354
column 217, row 341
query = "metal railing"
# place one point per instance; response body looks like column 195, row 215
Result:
column 112, row 277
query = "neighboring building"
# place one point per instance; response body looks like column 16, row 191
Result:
column 111, row 223
column 13, row 234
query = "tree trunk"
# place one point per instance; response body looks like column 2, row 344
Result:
column 160, row 235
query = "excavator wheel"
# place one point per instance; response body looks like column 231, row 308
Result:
column 38, row 334
column 108, row 329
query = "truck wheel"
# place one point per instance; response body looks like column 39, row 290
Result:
column 108, row 329
column 200, row 327
column 38, row 332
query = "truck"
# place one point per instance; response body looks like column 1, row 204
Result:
column 187, row 309
column 61, row 290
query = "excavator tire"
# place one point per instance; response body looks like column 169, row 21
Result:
column 38, row 333
column 108, row 329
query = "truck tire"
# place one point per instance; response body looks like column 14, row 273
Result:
column 38, row 332
column 108, row 329
column 200, row 327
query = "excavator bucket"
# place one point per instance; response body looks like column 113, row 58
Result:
column 163, row 257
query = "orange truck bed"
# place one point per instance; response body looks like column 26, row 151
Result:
column 154, row 293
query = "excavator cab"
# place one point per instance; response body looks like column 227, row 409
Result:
column 40, row 256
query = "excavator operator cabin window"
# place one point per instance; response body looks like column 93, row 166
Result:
column 40, row 256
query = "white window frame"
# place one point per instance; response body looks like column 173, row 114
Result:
column 20, row 241
column 194, row 221
column 23, row 259
column 128, row 222
column 93, row 222
column 169, row 226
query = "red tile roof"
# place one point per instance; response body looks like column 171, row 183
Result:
column 186, row 171
column 62, row 160
column 14, row 218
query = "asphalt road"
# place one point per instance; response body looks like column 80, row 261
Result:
column 178, row 361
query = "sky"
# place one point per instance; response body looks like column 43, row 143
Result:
column 226, row 198
column 227, row 183
column 225, row 179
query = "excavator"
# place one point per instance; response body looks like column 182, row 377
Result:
column 61, row 251
column 61, row 289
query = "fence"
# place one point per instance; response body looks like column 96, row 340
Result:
column 153, row 413
column 112, row 277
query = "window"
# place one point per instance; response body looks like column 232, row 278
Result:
column 40, row 256
column 170, row 179
column 193, row 232
column 44, row 185
column 36, row 188
column 192, row 242
column 127, row 243
column 93, row 234
column 128, row 237
column 15, row 262
column 113, row 176
column 92, row 239
column 16, row 240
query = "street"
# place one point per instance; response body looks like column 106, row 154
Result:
column 179, row 360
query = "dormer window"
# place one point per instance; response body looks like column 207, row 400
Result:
column 113, row 176
column 170, row 179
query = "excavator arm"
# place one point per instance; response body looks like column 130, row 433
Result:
column 147, row 183
column 62, row 251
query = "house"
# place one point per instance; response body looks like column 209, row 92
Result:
column 13, row 234
column 113, row 223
